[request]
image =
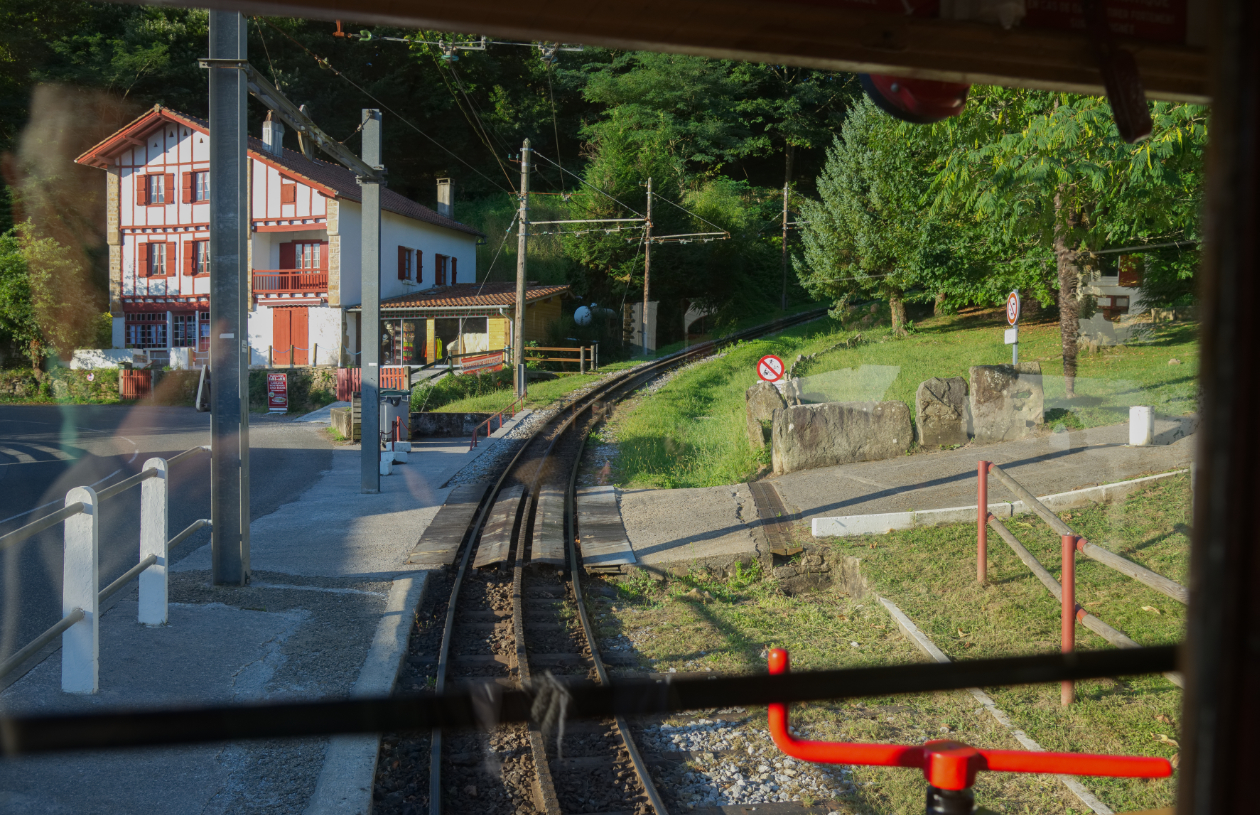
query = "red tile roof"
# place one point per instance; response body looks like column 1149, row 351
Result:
column 331, row 179
column 470, row 295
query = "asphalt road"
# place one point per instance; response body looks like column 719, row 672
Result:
column 47, row 450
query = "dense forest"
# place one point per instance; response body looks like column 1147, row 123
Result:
column 1014, row 192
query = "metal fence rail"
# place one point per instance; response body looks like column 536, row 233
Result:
column 80, row 622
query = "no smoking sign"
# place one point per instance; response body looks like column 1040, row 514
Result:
column 770, row 368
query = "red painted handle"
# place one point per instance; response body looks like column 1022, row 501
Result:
column 949, row 765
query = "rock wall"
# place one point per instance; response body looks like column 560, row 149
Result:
column 809, row 436
column 942, row 413
column 1007, row 401
column 760, row 403
column 448, row 424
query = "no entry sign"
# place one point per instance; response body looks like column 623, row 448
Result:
column 1012, row 308
column 277, row 393
column 770, row 368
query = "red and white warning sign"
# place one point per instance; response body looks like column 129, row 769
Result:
column 277, row 393
column 1012, row 308
column 770, row 368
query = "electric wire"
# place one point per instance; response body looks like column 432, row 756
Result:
column 689, row 212
column 478, row 128
column 324, row 63
column 267, row 51
column 555, row 125
column 588, row 184
column 495, row 259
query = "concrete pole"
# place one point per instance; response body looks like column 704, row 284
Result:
column 783, row 262
column 522, row 239
column 370, row 412
column 154, row 533
column 80, row 577
column 229, row 341
column 647, row 267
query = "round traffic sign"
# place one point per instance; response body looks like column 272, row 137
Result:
column 770, row 368
column 1012, row 308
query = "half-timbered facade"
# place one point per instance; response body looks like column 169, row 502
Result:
column 303, row 254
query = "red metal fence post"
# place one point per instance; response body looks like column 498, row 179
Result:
column 1067, row 613
column 982, row 521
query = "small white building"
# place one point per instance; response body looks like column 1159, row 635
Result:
column 1120, row 313
column 304, row 247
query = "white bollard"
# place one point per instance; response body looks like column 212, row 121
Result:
column 1141, row 425
column 154, row 533
column 80, row 643
column 387, row 463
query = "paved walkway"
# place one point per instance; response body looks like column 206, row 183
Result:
column 327, row 613
column 716, row 526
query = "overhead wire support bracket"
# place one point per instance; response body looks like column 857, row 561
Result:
column 269, row 95
column 595, row 221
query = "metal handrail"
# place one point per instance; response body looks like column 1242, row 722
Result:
column 134, row 572
column 519, row 402
column 39, row 642
column 35, row 527
column 144, row 475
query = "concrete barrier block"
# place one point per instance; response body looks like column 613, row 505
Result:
column 850, row 525
column 1141, row 425
column 387, row 467
column 942, row 412
column 400, row 457
column 1007, row 401
column 809, row 436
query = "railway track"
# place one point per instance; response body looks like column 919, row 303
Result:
column 513, row 614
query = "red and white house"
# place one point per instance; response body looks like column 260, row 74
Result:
column 304, row 248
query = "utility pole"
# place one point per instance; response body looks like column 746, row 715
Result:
column 785, row 239
column 522, row 239
column 370, row 311
column 229, row 341
column 647, row 266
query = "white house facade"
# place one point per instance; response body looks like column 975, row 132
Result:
column 303, row 254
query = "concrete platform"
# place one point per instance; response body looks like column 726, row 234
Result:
column 715, row 527
column 327, row 613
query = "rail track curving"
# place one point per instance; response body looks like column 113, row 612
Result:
column 515, row 615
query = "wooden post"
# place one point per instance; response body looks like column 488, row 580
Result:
column 1067, row 611
column 581, row 359
column 270, row 357
column 314, row 360
column 290, row 355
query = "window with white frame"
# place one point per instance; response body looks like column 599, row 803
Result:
column 201, row 186
column 157, row 188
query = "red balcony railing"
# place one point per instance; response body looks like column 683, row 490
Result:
column 289, row 281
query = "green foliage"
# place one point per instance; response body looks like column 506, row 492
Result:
column 18, row 325
column 449, row 389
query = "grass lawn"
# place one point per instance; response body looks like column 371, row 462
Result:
column 540, row 394
column 690, row 433
column 930, row 575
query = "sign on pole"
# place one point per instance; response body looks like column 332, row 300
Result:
column 770, row 368
column 277, row 393
column 1012, row 318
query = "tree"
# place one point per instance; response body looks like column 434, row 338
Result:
column 18, row 325
column 1049, row 171
column 868, row 234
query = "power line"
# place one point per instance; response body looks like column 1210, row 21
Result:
column 689, row 212
column 324, row 63
column 588, row 184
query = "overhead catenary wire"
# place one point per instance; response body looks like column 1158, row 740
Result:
column 324, row 63
column 584, row 182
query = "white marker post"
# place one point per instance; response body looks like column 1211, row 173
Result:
column 1012, row 319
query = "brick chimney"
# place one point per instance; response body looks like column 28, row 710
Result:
column 273, row 135
column 446, row 201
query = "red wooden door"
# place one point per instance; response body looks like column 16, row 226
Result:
column 289, row 326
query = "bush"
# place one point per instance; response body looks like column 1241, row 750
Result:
column 309, row 389
column 60, row 385
column 453, row 388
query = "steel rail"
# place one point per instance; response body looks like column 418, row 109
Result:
column 630, row 379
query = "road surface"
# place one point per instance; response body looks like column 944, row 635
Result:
column 47, row 450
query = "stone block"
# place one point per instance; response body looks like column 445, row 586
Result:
column 942, row 412
column 760, row 403
column 1007, row 401
column 809, row 436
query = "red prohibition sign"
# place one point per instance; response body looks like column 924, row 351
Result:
column 1012, row 308
column 770, row 368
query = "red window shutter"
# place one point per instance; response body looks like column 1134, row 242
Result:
column 168, row 189
column 288, row 260
column 419, row 266
column 323, row 255
column 142, row 260
column 288, row 193
column 454, row 271
column 172, row 257
column 190, row 255
column 188, row 187
column 142, row 190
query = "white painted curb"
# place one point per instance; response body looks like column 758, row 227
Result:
column 850, row 525
column 345, row 783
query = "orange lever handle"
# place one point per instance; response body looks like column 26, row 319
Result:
column 950, row 765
